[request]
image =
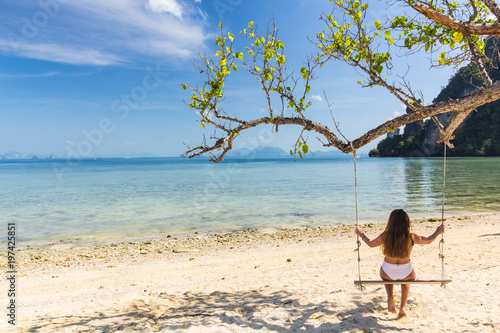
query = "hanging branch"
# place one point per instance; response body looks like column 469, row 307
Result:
column 466, row 28
column 359, row 44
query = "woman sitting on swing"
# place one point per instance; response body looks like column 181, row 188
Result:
column 397, row 242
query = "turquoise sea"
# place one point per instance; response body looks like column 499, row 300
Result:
column 150, row 197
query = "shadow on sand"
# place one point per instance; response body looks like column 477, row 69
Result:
column 245, row 311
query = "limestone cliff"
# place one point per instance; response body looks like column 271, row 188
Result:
column 430, row 146
column 413, row 129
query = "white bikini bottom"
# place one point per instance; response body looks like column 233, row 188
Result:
column 397, row 271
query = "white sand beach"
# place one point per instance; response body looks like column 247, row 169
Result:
column 290, row 281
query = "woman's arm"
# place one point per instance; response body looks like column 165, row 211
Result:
column 427, row 240
column 371, row 243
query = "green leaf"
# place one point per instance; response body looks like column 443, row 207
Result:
column 184, row 86
column 267, row 74
column 458, row 37
column 356, row 17
column 203, row 124
column 305, row 148
column 441, row 58
column 304, row 72
column 291, row 152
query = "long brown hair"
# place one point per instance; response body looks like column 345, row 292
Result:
column 396, row 239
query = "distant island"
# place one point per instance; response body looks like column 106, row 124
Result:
column 15, row 155
column 258, row 152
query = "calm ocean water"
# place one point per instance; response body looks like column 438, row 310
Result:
column 146, row 197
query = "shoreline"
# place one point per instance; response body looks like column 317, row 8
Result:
column 101, row 239
column 72, row 251
column 249, row 280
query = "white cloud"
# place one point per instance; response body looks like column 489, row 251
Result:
column 111, row 32
column 63, row 54
column 396, row 114
column 29, row 76
column 165, row 6
column 317, row 98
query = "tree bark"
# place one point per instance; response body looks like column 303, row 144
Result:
column 492, row 29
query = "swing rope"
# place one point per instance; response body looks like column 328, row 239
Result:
column 358, row 242
column 441, row 242
column 443, row 281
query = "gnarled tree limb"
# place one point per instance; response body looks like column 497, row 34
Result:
column 463, row 105
column 359, row 46
column 493, row 6
column 466, row 28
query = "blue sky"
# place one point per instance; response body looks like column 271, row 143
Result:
column 86, row 78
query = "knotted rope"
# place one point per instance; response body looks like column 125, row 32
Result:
column 441, row 242
column 358, row 242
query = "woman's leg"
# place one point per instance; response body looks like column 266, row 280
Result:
column 405, row 292
column 389, row 288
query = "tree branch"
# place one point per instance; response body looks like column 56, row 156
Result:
column 463, row 105
column 476, row 58
column 359, row 46
column 493, row 6
column 465, row 28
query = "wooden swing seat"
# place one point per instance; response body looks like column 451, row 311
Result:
column 442, row 282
